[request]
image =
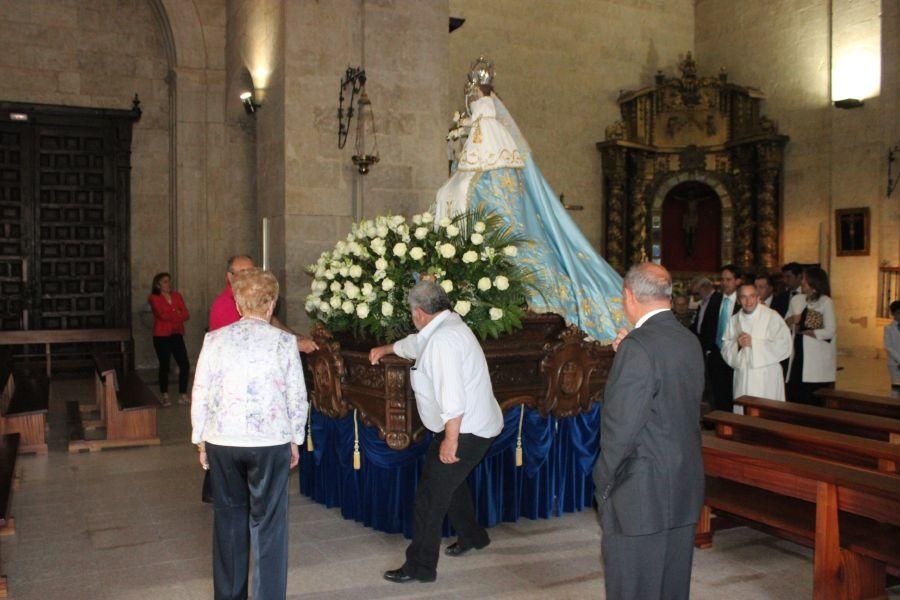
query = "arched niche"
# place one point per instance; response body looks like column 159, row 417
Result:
column 690, row 213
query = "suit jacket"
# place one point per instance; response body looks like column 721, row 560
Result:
column 650, row 468
column 780, row 302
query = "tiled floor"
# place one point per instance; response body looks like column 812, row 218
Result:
column 128, row 524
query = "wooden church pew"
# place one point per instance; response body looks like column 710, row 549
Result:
column 24, row 402
column 840, row 421
column 864, row 403
column 850, row 516
column 9, row 449
column 848, row 449
column 126, row 409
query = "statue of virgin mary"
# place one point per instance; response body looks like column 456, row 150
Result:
column 495, row 171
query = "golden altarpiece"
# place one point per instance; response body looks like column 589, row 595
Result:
column 692, row 176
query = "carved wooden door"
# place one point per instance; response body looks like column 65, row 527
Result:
column 15, row 220
column 64, row 195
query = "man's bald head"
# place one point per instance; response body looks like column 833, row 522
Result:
column 647, row 287
column 236, row 264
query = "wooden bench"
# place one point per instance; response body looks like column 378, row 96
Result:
column 9, row 448
column 125, row 409
column 24, row 401
column 862, row 403
column 840, row 421
column 850, row 516
column 49, row 338
column 839, row 447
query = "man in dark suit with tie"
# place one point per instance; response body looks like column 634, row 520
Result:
column 649, row 474
column 791, row 273
column 710, row 328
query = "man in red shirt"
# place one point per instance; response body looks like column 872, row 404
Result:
column 224, row 310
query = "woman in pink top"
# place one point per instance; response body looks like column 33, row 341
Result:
column 169, row 315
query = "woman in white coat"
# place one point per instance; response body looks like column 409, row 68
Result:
column 811, row 316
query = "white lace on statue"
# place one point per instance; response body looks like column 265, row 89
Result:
column 490, row 145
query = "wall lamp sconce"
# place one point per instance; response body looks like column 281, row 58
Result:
column 849, row 103
column 249, row 105
column 366, row 146
column 893, row 178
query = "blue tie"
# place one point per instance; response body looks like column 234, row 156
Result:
column 724, row 314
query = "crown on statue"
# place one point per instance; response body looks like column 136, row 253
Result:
column 481, row 72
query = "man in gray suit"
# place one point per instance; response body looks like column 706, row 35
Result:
column 649, row 474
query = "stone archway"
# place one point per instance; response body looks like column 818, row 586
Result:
column 727, row 211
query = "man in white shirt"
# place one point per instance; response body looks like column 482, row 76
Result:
column 756, row 341
column 456, row 402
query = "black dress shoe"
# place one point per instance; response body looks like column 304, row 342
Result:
column 400, row 576
column 457, row 549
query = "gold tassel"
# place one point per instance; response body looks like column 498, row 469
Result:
column 356, row 460
column 519, row 439
column 309, row 442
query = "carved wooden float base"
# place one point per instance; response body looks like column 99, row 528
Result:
column 545, row 365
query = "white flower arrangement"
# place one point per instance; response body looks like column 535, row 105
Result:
column 360, row 286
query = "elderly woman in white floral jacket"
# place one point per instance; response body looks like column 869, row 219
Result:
column 248, row 413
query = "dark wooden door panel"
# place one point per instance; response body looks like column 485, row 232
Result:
column 64, row 217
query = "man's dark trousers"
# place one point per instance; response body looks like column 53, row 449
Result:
column 251, row 505
column 443, row 490
column 662, row 561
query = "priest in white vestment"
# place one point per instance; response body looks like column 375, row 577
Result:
column 756, row 341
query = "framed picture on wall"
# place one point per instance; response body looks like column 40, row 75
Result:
column 852, row 231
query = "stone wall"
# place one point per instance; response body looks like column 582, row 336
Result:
column 560, row 68
column 404, row 52
column 94, row 53
column 836, row 158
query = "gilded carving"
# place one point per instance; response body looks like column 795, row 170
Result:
column 693, row 128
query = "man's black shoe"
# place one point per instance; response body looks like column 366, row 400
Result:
column 456, row 549
column 399, row 576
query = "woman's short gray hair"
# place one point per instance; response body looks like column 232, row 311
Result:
column 649, row 282
column 428, row 296
column 254, row 289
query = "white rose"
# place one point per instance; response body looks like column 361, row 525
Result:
column 447, row 250
column 387, row 285
column 387, row 309
column 484, row 284
column 348, row 307
column 417, row 219
column 351, row 292
column 510, row 251
column 496, row 313
column 366, row 289
column 470, row 256
column 452, row 231
column 479, row 226
column 477, row 239
column 462, row 307
column 427, row 217
column 335, row 302
column 311, row 305
column 335, row 286
column 445, row 222
column 501, row 283
column 447, row 285
column 381, row 230
column 344, row 271
column 329, row 274
column 324, row 308
column 397, row 220
column 362, row 310
column 421, row 232
column 400, row 249
column 355, row 271
column 416, row 253
column 381, row 264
